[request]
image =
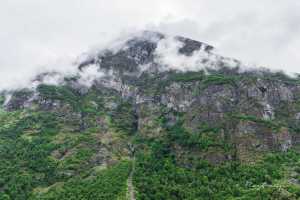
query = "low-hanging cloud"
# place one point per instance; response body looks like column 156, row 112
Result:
column 168, row 56
column 89, row 74
column 36, row 34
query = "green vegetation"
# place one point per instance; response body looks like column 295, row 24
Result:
column 62, row 93
column 280, row 76
column 205, row 79
column 124, row 118
column 44, row 155
column 188, row 76
column 72, row 144
column 2, row 100
column 202, row 140
column 25, row 162
column 159, row 176
column 106, row 184
column 275, row 125
column 219, row 80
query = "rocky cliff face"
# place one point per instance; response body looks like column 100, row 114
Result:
column 256, row 111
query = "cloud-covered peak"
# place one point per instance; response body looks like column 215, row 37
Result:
column 155, row 51
column 134, row 54
column 147, row 48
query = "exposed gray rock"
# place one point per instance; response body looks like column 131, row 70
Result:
column 19, row 100
column 267, row 101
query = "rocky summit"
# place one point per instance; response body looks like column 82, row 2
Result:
column 159, row 118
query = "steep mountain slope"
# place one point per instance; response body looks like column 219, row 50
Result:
column 195, row 125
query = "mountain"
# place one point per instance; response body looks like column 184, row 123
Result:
column 152, row 117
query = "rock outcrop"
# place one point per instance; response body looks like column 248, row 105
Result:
column 255, row 111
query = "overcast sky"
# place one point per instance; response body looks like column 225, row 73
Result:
column 34, row 33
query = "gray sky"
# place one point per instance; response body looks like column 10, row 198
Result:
column 35, row 33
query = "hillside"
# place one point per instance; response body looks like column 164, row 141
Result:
column 153, row 123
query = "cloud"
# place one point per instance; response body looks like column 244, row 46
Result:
column 35, row 33
column 167, row 54
column 89, row 74
column 258, row 32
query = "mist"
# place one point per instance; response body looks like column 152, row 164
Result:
column 38, row 36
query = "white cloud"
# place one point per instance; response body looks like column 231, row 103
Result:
column 89, row 74
column 7, row 99
column 35, row 33
column 167, row 54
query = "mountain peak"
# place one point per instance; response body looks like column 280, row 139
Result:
column 141, row 49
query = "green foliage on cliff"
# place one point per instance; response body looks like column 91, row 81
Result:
column 188, row 76
column 124, row 118
column 62, row 93
column 265, row 122
column 24, row 160
column 74, row 144
column 107, row 184
column 2, row 100
column 159, row 176
column 202, row 139
column 41, row 149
